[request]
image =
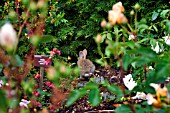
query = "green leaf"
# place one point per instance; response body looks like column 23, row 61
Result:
column 13, row 103
column 115, row 90
column 94, row 97
column 107, row 52
column 130, row 44
column 109, row 36
column 35, row 40
column 28, row 86
column 75, row 95
column 146, row 52
column 155, row 28
column 46, row 38
column 162, row 70
column 168, row 26
column 142, row 27
column 103, row 38
column 142, row 21
column 100, row 61
column 91, row 85
column 142, row 61
column 154, row 15
column 149, row 89
column 164, row 12
column 44, row 92
column 139, row 109
column 19, row 62
column 1, row 67
column 105, row 83
column 3, row 102
column 126, row 61
column 144, row 87
column 123, row 109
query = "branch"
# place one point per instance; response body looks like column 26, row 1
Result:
column 25, row 21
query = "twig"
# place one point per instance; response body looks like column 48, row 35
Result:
column 145, row 71
column 25, row 21
column 16, row 4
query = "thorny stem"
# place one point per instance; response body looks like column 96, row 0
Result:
column 119, row 59
column 21, row 26
column 125, row 29
column 121, row 66
column 130, row 27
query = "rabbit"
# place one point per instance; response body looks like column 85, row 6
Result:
column 85, row 65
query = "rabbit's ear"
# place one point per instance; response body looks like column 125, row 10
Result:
column 85, row 52
column 81, row 54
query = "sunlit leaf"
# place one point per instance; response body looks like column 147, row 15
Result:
column 103, row 38
column 155, row 28
column 109, row 36
column 100, row 61
column 164, row 12
column 107, row 52
column 154, row 16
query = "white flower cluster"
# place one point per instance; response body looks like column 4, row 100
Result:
column 24, row 103
column 128, row 82
column 157, row 48
column 131, row 37
column 149, row 97
column 140, row 95
column 8, row 37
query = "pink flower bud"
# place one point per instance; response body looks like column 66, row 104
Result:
column 37, row 94
column 37, row 76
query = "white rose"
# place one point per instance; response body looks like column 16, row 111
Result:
column 167, row 40
column 128, row 82
column 8, row 37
